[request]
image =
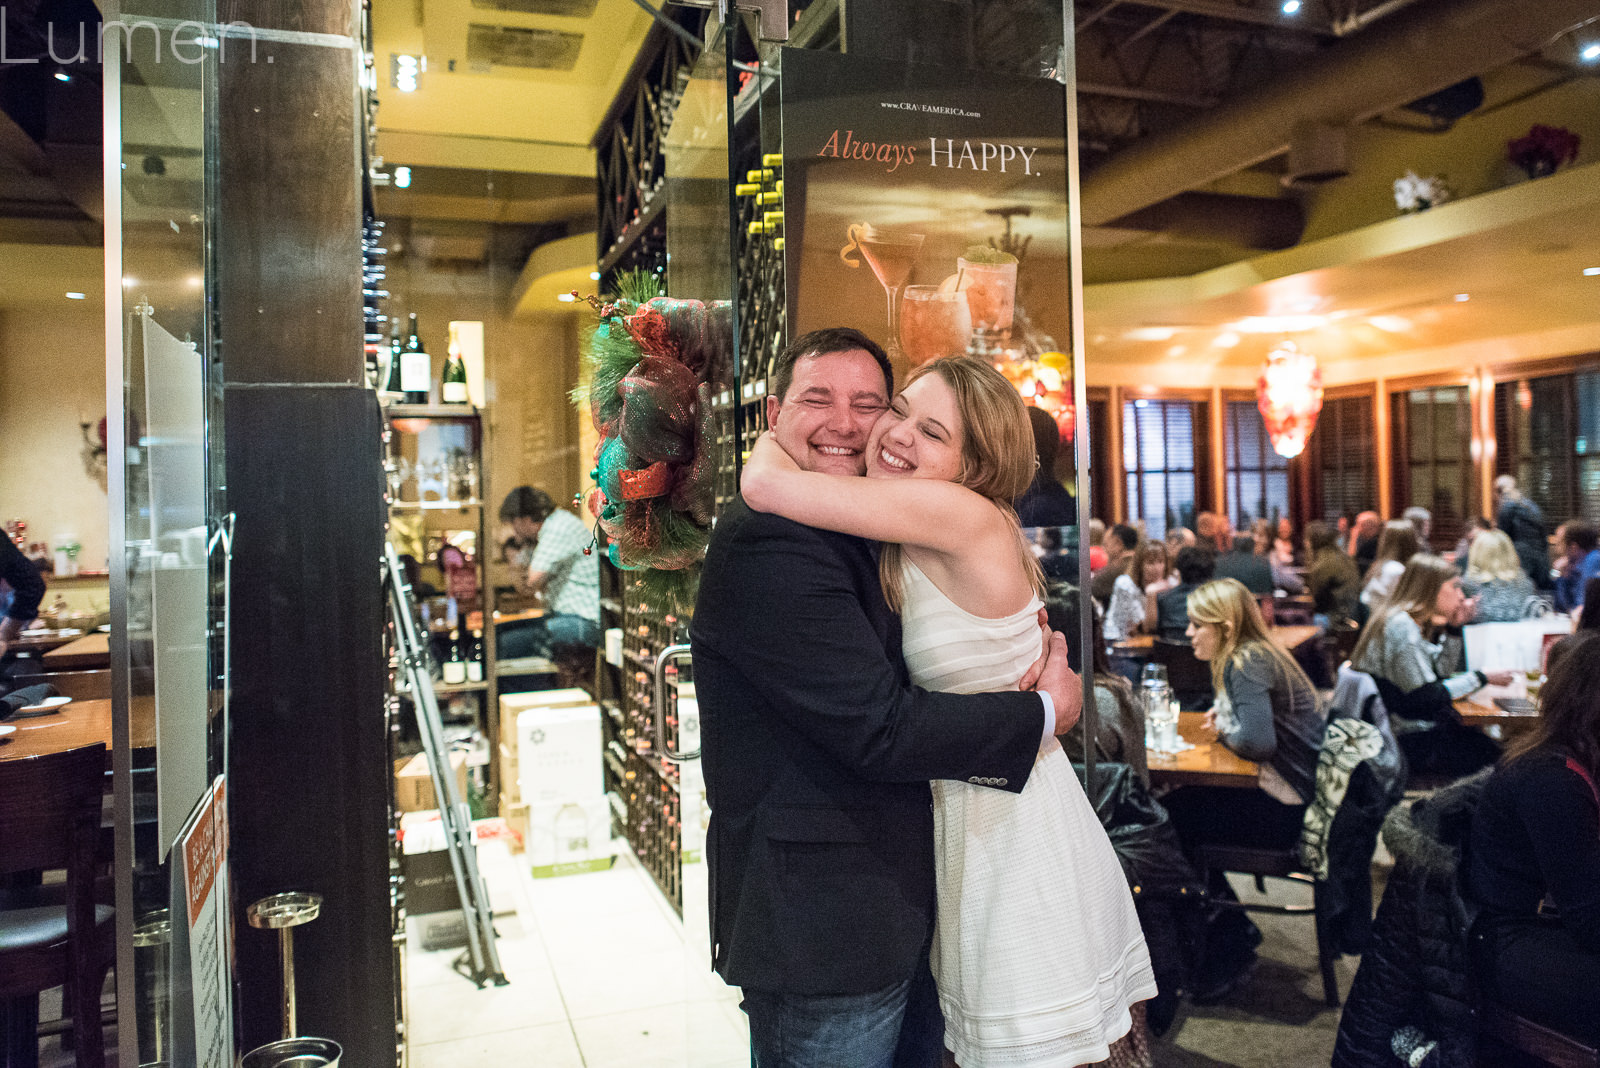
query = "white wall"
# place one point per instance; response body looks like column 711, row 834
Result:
column 52, row 376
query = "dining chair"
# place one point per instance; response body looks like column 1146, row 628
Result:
column 1499, row 1028
column 1187, row 674
column 50, row 819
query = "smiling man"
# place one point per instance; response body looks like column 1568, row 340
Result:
column 818, row 752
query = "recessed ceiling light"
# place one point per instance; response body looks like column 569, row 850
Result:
column 565, row 298
column 1226, row 340
column 1590, row 53
column 1591, row 271
column 128, row 281
column 1291, row 7
column 594, row 276
column 1462, row 298
column 402, row 177
column 75, row 296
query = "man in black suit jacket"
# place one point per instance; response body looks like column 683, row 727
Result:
column 818, row 753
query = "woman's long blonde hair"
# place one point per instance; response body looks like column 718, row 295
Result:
column 998, row 457
column 1492, row 556
column 1416, row 594
column 1397, row 542
column 1232, row 609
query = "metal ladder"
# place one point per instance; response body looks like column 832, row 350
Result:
column 481, row 957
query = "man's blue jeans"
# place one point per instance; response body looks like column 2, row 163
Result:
column 900, row 1027
column 538, row 637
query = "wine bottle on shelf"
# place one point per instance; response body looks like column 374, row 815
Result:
column 454, row 671
column 391, row 384
column 416, row 366
column 475, row 657
column 453, row 383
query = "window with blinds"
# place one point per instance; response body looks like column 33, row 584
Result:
column 1340, row 455
column 1432, row 434
column 1547, row 432
column 1160, row 449
column 1257, row 478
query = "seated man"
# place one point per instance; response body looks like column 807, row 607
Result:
column 1242, row 563
column 554, row 565
column 1195, row 567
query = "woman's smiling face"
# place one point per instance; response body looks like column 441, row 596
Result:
column 920, row 435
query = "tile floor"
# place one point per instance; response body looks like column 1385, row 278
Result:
column 600, row 977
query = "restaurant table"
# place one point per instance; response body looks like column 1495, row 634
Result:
column 42, row 641
column 1478, row 710
column 87, row 652
column 78, row 723
column 1209, row 763
column 1290, row 637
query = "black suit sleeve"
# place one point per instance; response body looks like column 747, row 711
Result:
column 790, row 618
column 24, row 579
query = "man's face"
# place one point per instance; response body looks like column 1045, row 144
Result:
column 832, row 403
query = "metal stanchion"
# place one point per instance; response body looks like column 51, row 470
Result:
column 283, row 913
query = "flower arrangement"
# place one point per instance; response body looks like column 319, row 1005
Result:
column 1413, row 193
column 648, row 358
column 1542, row 149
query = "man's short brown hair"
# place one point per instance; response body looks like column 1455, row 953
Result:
column 821, row 343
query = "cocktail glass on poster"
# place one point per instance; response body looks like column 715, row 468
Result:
column 989, row 279
column 934, row 322
column 891, row 254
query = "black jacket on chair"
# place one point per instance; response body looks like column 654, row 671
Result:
column 817, row 757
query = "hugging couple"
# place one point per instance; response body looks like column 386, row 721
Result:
column 904, row 866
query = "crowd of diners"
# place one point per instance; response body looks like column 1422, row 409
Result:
column 1404, row 605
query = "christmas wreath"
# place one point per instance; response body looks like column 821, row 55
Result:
column 648, row 359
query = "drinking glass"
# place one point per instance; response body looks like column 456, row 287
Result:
column 934, row 323
column 1155, row 675
column 991, row 290
column 891, row 254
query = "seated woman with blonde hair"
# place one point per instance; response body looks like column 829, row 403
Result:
column 1396, row 650
column 1495, row 577
column 1266, row 711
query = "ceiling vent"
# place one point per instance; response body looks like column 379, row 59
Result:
column 527, row 49
column 572, row 8
column 1318, row 153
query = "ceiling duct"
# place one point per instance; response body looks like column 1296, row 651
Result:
column 523, row 47
column 1414, row 53
column 1318, row 153
column 1450, row 103
column 581, row 9
column 1248, row 222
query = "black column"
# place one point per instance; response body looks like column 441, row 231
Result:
column 309, row 767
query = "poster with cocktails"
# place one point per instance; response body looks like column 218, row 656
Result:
column 927, row 207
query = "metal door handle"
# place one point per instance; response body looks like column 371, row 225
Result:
column 659, row 705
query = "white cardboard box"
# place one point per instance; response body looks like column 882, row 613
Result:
column 567, row 837
column 559, row 753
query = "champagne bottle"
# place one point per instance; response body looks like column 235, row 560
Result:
column 416, row 367
column 455, row 669
column 453, row 384
column 391, row 383
column 475, row 658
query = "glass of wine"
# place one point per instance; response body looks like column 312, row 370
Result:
column 891, row 254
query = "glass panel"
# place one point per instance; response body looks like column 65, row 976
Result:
column 168, row 571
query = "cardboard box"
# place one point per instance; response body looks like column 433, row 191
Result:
column 515, row 814
column 568, row 837
column 558, row 753
column 413, row 785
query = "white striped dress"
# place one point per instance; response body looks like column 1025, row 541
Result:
column 1037, row 952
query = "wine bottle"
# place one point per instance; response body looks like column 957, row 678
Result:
column 475, row 658
column 391, row 382
column 455, row 669
column 416, row 367
column 453, row 383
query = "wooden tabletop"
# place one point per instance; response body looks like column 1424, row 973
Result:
column 43, row 640
column 1479, row 711
column 78, row 724
column 1290, row 637
column 89, row 651
column 1209, row 763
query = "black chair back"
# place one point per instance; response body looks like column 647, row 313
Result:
column 1189, row 676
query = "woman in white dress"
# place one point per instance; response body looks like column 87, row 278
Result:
column 943, row 464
